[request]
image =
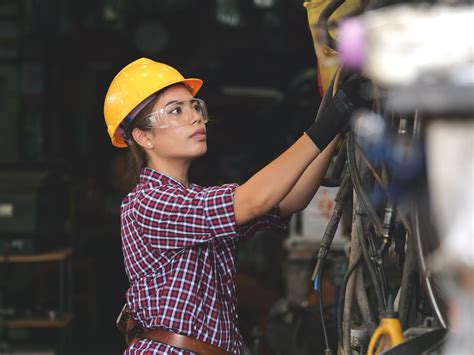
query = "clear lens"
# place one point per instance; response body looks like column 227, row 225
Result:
column 179, row 113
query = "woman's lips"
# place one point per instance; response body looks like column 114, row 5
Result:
column 199, row 135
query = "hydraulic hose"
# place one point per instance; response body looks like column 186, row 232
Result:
column 337, row 168
column 363, row 201
column 368, row 261
column 323, row 22
column 407, row 285
column 361, row 195
column 343, row 195
column 363, row 301
column 379, row 267
column 349, row 294
column 420, row 220
column 340, row 301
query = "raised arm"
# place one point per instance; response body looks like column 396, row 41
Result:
column 302, row 193
column 272, row 185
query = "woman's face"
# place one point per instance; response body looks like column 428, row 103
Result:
column 185, row 142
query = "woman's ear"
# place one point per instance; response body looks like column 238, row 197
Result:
column 143, row 139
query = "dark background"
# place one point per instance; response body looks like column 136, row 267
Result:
column 57, row 59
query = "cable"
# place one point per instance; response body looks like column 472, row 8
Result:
column 407, row 286
column 369, row 210
column 363, row 301
column 343, row 194
column 368, row 261
column 323, row 22
column 318, row 282
column 354, row 171
column 379, row 268
column 342, row 292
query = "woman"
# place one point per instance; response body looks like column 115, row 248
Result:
column 179, row 238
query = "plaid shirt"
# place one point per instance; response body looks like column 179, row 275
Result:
column 178, row 243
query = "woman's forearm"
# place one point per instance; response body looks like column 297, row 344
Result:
column 270, row 185
column 308, row 184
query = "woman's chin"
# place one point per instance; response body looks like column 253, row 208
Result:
column 202, row 151
column 198, row 152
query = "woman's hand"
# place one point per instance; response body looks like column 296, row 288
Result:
column 352, row 95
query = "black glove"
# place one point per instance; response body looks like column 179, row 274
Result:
column 335, row 118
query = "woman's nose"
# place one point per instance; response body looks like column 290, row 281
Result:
column 196, row 117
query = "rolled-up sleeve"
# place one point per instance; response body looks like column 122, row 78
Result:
column 270, row 220
column 173, row 217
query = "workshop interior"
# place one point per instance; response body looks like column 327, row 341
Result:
column 381, row 261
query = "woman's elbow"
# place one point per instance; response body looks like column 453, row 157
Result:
column 288, row 209
column 247, row 209
column 244, row 214
column 285, row 213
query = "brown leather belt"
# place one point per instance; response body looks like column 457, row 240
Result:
column 183, row 342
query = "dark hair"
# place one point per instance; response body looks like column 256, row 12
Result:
column 137, row 158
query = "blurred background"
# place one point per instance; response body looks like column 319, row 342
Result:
column 62, row 279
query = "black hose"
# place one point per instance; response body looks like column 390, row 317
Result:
column 340, row 161
column 342, row 292
column 407, row 284
column 323, row 23
column 354, row 171
column 363, row 301
column 423, row 233
column 326, row 97
column 368, row 261
column 343, row 195
column 369, row 210
column 337, row 168
column 379, row 268
column 330, row 182
column 383, row 282
column 341, row 199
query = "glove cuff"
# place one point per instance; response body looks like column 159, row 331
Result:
column 332, row 121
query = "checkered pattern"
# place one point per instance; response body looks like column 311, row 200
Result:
column 178, row 243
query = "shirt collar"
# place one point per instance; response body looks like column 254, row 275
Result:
column 149, row 175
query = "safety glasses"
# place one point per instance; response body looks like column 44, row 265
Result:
column 178, row 114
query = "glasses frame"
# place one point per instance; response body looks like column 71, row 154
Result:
column 154, row 118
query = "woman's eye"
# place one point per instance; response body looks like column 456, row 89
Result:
column 175, row 111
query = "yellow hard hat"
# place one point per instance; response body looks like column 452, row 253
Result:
column 133, row 85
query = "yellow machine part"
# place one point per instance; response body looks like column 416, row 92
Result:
column 328, row 60
column 389, row 334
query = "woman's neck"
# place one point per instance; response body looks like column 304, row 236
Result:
column 176, row 169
